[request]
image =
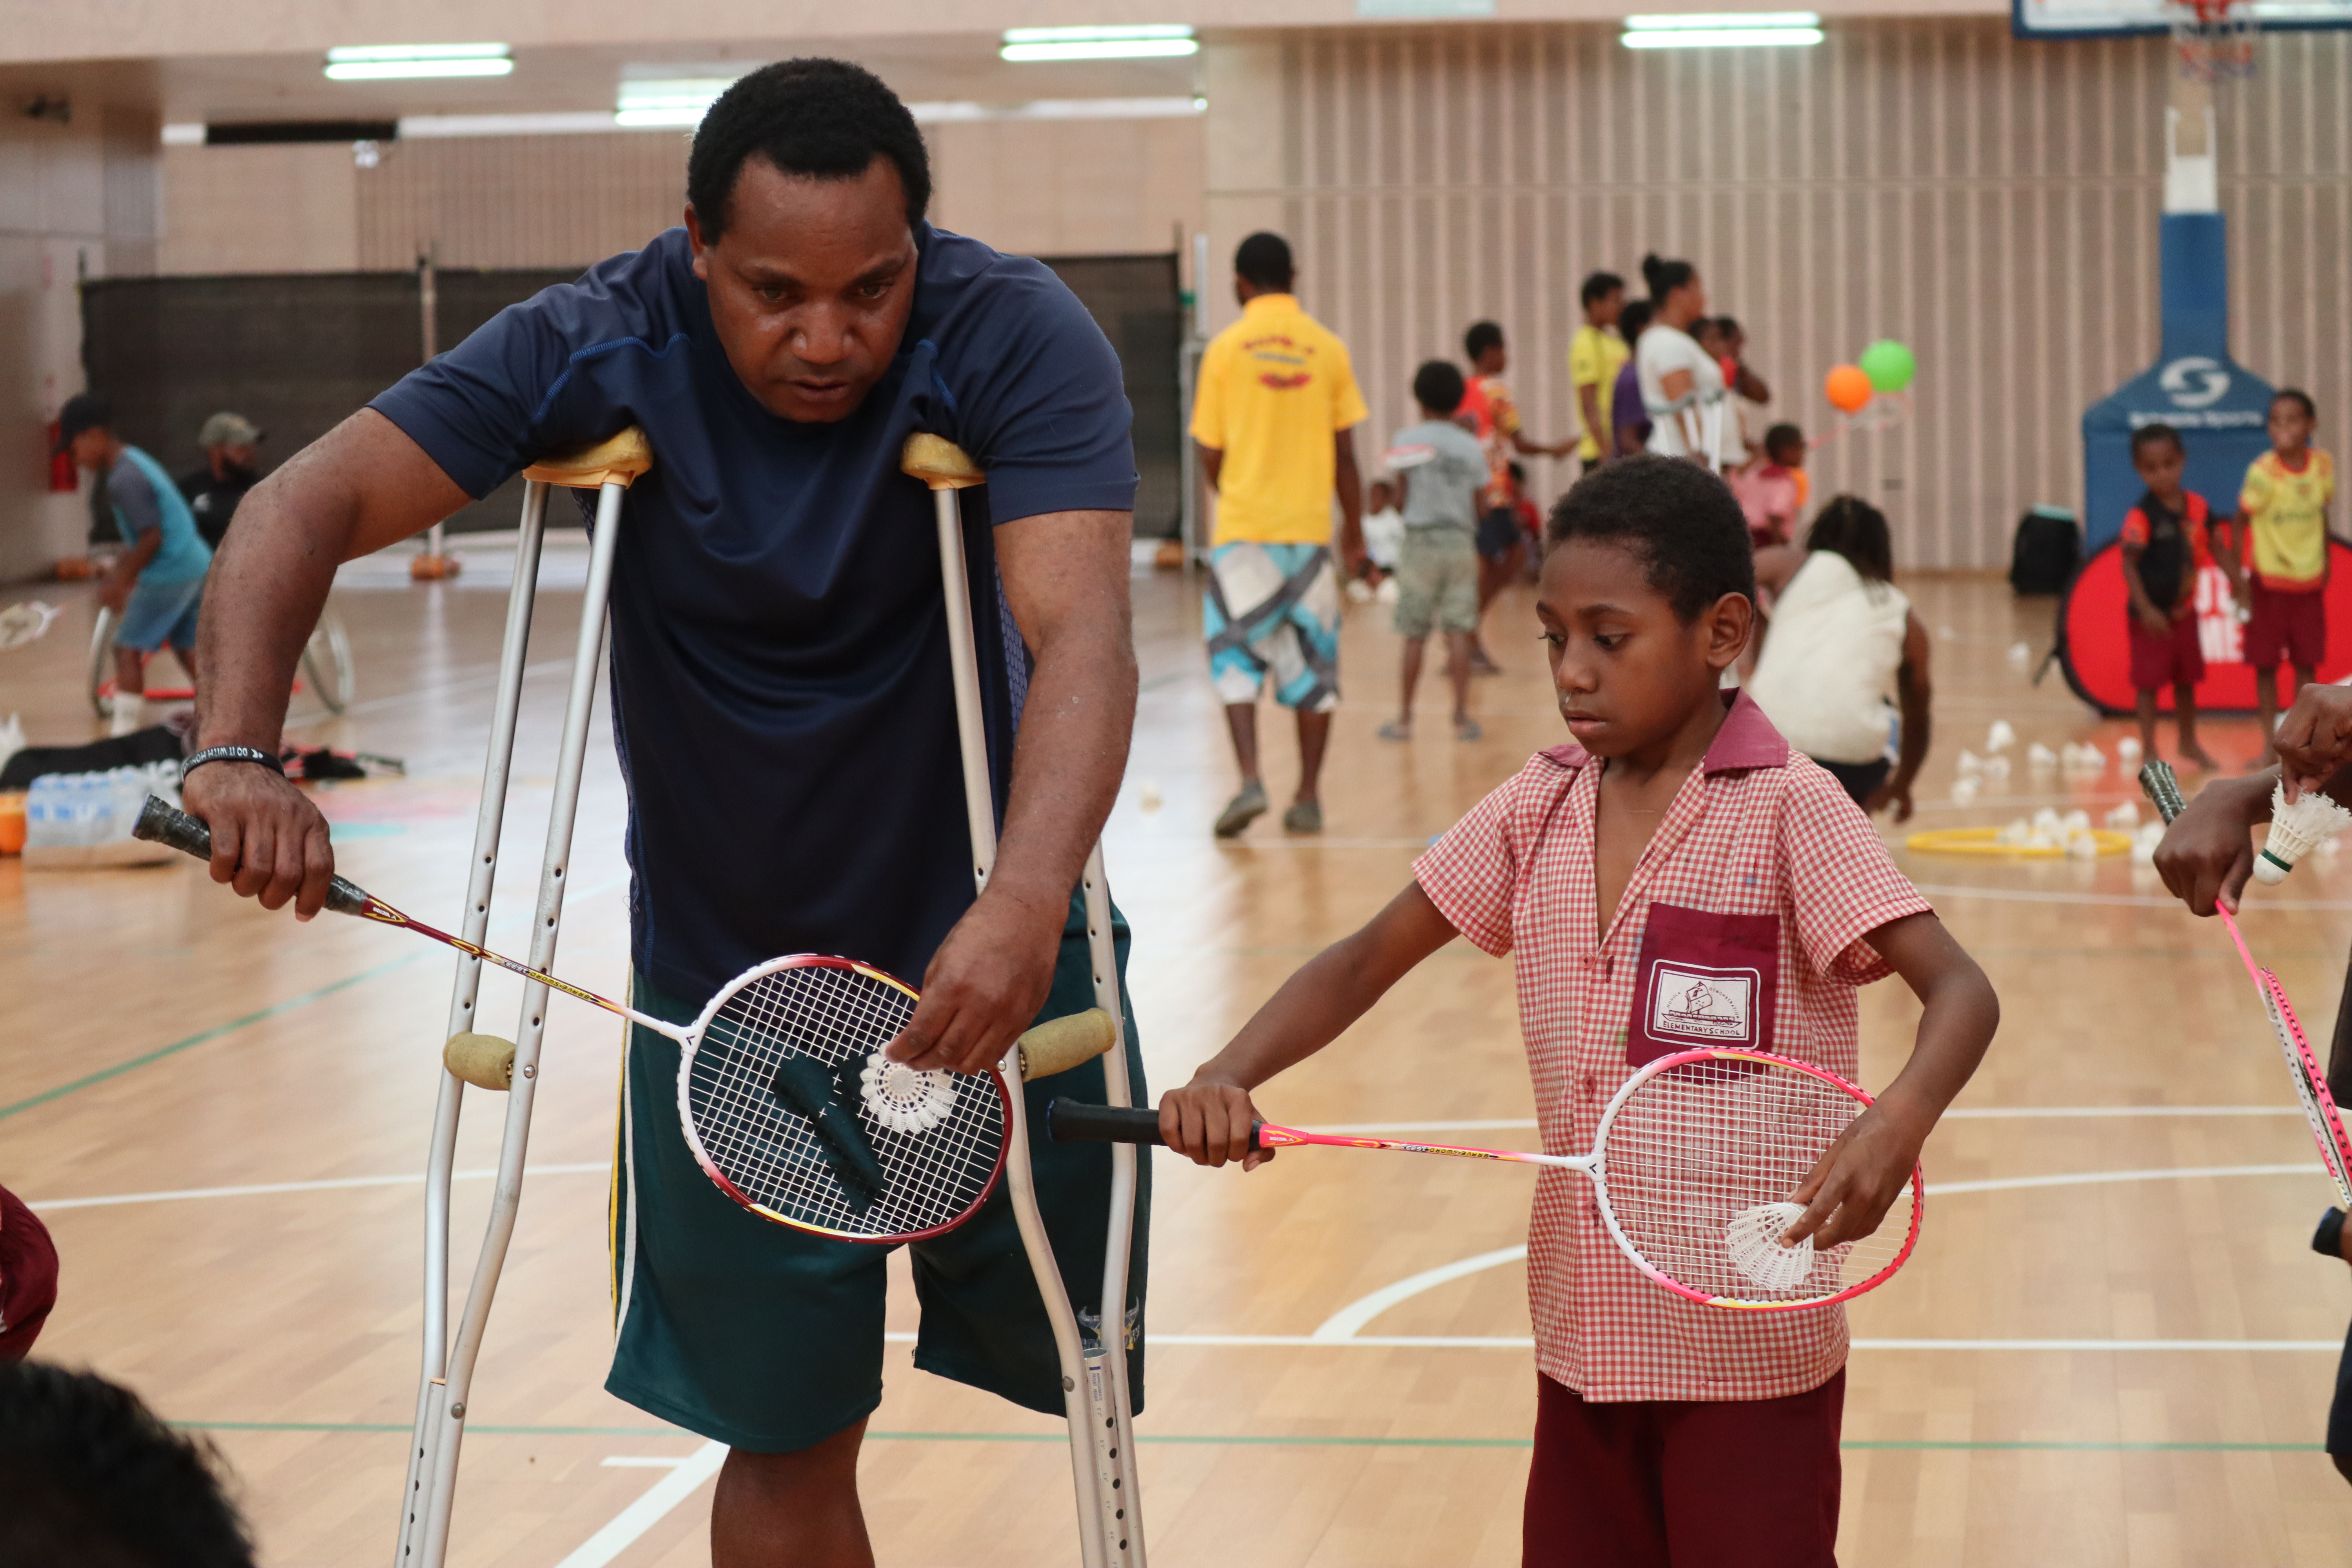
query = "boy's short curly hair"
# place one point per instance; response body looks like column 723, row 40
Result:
column 823, row 119
column 1681, row 519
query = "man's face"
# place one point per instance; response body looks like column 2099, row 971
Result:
column 811, row 285
column 1606, row 311
column 92, row 447
column 236, row 457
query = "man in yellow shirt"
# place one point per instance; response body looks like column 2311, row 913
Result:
column 1275, row 418
column 2283, row 506
column 1595, row 354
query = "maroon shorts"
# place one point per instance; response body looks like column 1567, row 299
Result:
column 2172, row 659
column 28, row 1277
column 1684, row 1483
column 2285, row 625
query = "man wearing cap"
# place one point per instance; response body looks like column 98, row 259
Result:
column 156, row 586
column 213, row 491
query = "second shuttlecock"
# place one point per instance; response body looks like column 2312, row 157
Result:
column 2297, row 826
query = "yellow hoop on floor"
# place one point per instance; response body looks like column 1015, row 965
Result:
column 1982, row 841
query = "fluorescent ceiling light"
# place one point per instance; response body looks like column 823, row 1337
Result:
column 399, row 62
column 1162, row 41
column 1723, row 38
column 184, row 133
column 1722, row 30
column 654, row 101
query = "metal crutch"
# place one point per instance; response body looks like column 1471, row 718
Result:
column 609, row 467
column 1094, row 1377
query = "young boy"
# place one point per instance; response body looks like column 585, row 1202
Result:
column 1772, row 488
column 1674, row 827
column 2165, row 548
column 2284, row 502
column 1440, row 469
column 1595, row 354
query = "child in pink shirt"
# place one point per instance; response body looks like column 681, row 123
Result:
column 1678, row 828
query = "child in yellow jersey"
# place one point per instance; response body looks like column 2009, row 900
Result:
column 2284, row 504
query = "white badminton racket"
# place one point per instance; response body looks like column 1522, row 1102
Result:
column 1692, row 1166
column 782, row 1091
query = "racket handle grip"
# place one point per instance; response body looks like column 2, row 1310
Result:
column 2157, row 781
column 1075, row 1122
column 159, row 823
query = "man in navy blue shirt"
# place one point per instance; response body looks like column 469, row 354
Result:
column 782, row 708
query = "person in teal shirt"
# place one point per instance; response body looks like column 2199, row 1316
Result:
column 157, row 587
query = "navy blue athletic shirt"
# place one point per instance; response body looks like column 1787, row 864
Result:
column 781, row 694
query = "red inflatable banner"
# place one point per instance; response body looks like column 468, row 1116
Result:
column 2094, row 648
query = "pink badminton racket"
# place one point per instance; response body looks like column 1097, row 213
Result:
column 2161, row 787
column 1691, row 1165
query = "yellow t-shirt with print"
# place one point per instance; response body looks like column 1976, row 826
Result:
column 1595, row 356
column 2290, row 519
column 1274, row 387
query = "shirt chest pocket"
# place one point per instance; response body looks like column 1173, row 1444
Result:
column 1704, row 980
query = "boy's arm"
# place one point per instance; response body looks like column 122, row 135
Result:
column 1596, row 423
column 1850, row 1191
column 1210, row 1117
column 2143, row 604
column 115, row 591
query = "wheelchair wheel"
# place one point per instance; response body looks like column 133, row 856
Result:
column 326, row 662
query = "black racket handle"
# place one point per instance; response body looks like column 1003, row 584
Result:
column 2157, row 781
column 1075, row 1122
column 160, row 823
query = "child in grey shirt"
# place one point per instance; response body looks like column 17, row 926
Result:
column 1440, row 466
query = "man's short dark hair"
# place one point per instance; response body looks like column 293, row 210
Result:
column 1482, row 336
column 1599, row 287
column 826, row 120
column 1679, row 519
column 2154, row 432
column 1262, row 261
column 2299, row 397
column 1438, row 387
column 90, row 1479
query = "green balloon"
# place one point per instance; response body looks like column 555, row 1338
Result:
column 1889, row 364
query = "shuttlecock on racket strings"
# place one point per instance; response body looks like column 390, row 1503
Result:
column 2297, row 827
column 1752, row 1237
column 905, row 1098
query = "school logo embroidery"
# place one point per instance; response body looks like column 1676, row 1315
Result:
column 1710, row 1006
column 1285, row 382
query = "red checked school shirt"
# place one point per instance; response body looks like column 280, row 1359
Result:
column 1742, row 924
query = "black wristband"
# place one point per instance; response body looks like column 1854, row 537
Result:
column 231, row 754
column 2328, row 1239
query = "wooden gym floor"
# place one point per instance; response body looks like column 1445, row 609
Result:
column 2112, row 1347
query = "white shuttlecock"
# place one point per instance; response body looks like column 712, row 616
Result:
column 1752, row 1237
column 1996, row 767
column 2128, row 751
column 2326, row 849
column 2093, row 757
column 2000, row 737
column 2047, row 820
column 2020, row 655
column 2038, row 755
column 1386, row 593
column 2082, row 846
column 1360, row 591
column 1969, row 764
column 2297, row 827
column 21, row 624
column 1147, row 796
column 904, row 1098
column 2016, row 835
column 1964, row 790
column 2124, row 818
column 2076, row 821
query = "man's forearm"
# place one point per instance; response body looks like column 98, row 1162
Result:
column 262, row 597
column 1066, row 764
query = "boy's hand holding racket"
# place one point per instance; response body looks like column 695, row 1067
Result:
column 1211, row 1120
column 2209, row 850
column 1864, row 1172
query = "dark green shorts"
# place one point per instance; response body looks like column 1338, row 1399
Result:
column 769, row 1339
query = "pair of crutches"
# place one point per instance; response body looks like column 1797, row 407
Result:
column 1094, row 1375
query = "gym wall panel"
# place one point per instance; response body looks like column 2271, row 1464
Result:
column 1992, row 203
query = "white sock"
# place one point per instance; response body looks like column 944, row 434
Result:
column 130, row 713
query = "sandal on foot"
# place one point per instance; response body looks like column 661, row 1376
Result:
column 1394, row 731
column 1241, row 811
column 1304, row 816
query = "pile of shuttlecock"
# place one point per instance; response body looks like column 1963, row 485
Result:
column 2310, row 821
column 2144, row 843
column 2070, row 834
column 2124, row 818
column 2041, row 758
column 2000, row 737
column 2083, row 759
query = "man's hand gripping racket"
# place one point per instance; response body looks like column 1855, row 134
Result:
column 783, row 1092
column 1691, row 1167
column 2302, row 1069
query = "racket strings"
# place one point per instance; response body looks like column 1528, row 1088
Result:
column 835, row 1016
column 1696, row 1153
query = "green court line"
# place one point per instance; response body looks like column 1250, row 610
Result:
column 202, row 1036
column 1253, row 1440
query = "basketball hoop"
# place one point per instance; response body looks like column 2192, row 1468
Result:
column 2215, row 39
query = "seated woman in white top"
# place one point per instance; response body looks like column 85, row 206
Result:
column 1682, row 385
column 1842, row 636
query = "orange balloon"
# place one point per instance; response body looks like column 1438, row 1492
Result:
column 1849, row 389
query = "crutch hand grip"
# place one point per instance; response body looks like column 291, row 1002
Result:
column 159, row 823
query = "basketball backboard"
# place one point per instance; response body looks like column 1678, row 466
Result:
column 2059, row 20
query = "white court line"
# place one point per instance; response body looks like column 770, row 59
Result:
column 2098, row 1178
column 648, row 1510
column 1506, row 1343
column 1342, row 1324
